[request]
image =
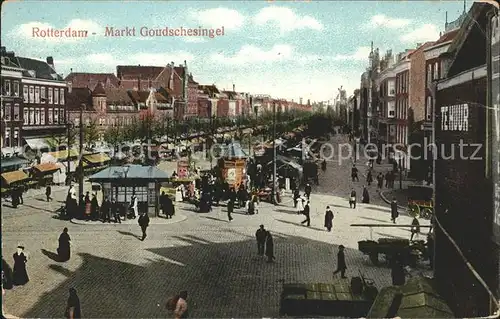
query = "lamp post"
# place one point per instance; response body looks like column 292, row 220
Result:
column 80, row 154
column 274, row 154
column 400, row 174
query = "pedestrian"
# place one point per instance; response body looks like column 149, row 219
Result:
column 48, row 192
column 88, row 206
column 352, row 199
column 21, row 190
column 106, row 210
column 7, row 279
column 64, row 249
column 94, row 207
column 308, row 190
column 323, row 165
column 115, row 211
column 230, row 209
column 380, row 180
column 14, row 195
column 168, row 206
column 20, row 275
column 341, row 265
column 256, row 204
column 269, row 247
column 415, row 229
column 73, row 309
column 328, row 218
column 296, row 196
column 394, row 210
column 354, row 173
column 366, row 196
column 307, row 213
column 260, row 235
column 135, row 206
column 144, row 223
column 369, row 177
column 178, row 193
column 163, row 204
column 388, row 179
column 300, row 205
column 181, row 307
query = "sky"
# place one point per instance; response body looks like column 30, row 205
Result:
column 287, row 49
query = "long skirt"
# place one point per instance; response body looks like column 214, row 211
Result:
column 64, row 252
column 88, row 209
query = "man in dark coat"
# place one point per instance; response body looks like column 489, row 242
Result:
column 48, row 192
column 307, row 213
column 308, row 190
column 341, row 265
column 397, row 271
column 388, row 179
column 20, row 194
column 369, row 177
column 115, row 211
column 260, row 235
column 269, row 247
column 352, row 199
column 14, row 195
column 230, row 209
column 20, row 275
column 164, row 204
column 73, row 309
column 328, row 218
column 64, row 249
column 394, row 210
column 144, row 223
column 296, row 196
column 366, row 196
column 94, row 208
column 380, row 180
column 354, row 173
column 106, row 210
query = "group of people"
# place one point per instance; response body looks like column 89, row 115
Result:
column 16, row 195
column 265, row 244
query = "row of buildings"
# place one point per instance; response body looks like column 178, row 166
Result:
column 447, row 92
column 38, row 103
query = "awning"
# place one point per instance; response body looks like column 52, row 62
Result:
column 12, row 161
column 62, row 155
column 96, row 158
column 15, row 176
column 46, row 167
column 37, row 143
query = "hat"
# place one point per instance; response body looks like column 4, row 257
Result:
column 328, row 207
column 341, row 247
column 21, row 247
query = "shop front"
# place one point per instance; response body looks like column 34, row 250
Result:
column 122, row 182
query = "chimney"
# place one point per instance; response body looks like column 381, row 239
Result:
column 70, row 70
column 308, row 102
column 234, row 90
column 3, row 50
column 300, row 101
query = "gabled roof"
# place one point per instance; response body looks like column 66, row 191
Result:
column 118, row 96
column 180, row 70
column 140, row 96
column 77, row 96
column 99, row 90
column 80, row 79
column 209, row 89
column 230, row 94
column 160, row 97
column 42, row 69
column 9, row 62
column 135, row 72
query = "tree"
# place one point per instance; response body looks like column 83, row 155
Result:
column 114, row 136
column 90, row 133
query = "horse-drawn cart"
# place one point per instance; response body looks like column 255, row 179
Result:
column 408, row 251
column 420, row 201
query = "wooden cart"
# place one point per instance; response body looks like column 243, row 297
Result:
column 390, row 247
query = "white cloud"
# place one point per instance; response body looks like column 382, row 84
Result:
column 219, row 17
column 194, row 39
column 28, row 30
column 361, row 54
column 383, row 21
column 427, row 32
column 252, row 54
column 286, row 19
column 159, row 59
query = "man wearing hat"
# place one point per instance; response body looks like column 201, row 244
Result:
column 341, row 265
column 261, row 235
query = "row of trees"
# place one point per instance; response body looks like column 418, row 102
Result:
column 149, row 127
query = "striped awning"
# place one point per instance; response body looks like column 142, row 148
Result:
column 46, row 167
column 14, row 176
column 96, row 158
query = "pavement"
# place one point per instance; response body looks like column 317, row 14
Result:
column 119, row 276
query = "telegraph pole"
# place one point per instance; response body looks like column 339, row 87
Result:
column 274, row 154
column 80, row 162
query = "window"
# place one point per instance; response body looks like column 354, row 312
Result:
column 391, row 109
column 56, row 96
column 37, row 94
column 61, row 116
column 102, row 121
column 7, row 137
column 32, row 94
column 26, row 116
column 429, row 74
column 16, row 112
column 61, row 97
column 428, row 108
column 15, row 140
column 37, row 116
column 391, row 88
column 16, row 88
column 6, row 88
column 436, row 71
column 25, row 94
column 42, row 116
column 32, row 116
column 42, row 94
column 7, row 112
column 56, row 116
column 50, row 95
column 50, row 115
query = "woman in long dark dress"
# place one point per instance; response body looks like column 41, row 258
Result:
column 269, row 247
column 366, row 196
column 20, row 275
column 6, row 275
column 81, row 207
column 73, row 309
column 64, row 249
column 328, row 218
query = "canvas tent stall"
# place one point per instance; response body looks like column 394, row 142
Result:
column 13, row 178
column 46, row 173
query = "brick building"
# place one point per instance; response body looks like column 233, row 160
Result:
column 386, row 84
column 90, row 80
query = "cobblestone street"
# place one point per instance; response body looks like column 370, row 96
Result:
column 117, row 275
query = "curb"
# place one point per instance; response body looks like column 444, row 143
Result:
column 384, row 198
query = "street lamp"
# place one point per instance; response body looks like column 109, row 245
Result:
column 274, row 154
column 80, row 153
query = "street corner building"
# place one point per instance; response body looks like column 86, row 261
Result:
column 464, row 175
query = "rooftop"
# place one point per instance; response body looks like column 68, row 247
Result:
column 134, row 172
column 90, row 80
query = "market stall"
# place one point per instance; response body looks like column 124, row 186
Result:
column 47, row 173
